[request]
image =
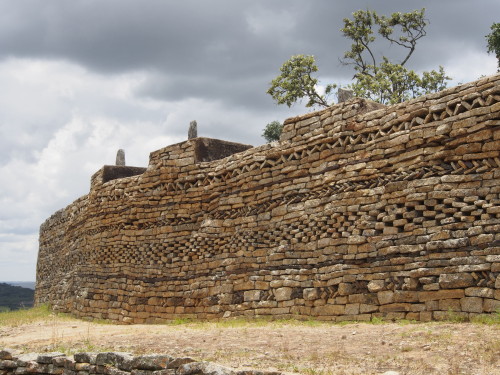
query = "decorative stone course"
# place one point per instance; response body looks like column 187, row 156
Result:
column 359, row 211
column 110, row 363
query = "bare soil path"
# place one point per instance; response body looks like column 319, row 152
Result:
column 290, row 347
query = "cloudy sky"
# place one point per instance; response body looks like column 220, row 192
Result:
column 80, row 79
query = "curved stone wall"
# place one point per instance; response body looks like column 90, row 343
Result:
column 360, row 210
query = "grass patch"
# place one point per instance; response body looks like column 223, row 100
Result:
column 456, row 317
column 377, row 320
column 179, row 321
column 25, row 316
column 488, row 319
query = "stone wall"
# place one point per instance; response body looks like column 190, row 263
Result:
column 110, row 363
column 360, row 211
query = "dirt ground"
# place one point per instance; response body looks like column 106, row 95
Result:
column 290, row 347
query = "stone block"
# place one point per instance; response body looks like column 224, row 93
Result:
column 394, row 307
column 440, row 294
column 23, row 360
column 479, row 292
column 425, row 316
column 47, row 358
column 283, row 294
column 120, row 360
column 450, row 305
column 251, row 295
column 472, row 304
column 85, row 357
column 247, row 285
column 365, row 308
column 7, row 353
column 352, row 309
column 405, row 296
column 385, row 297
column 9, row 364
column 375, row 286
column 310, row 294
column 328, row 310
column 345, row 289
column 491, row 305
column 205, row 368
column 456, row 280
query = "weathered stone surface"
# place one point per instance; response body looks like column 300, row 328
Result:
column 120, row 157
column 359, row 211
column 385, row 297
column 177, row 362
column 121, row 360
column 491, row 305
column 480, row 292
column 283, row 294
column 375, row 286
column 23, row 360
column 152, row 364
column 472, row 304
column 7, row 353
column 8, row 364
column 455, row 280
column 193, row 130
column 310, row 294
column 440, row 294
column 205, row 368
column 85, row 357
column 344, row 95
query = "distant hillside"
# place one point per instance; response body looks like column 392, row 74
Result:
column 15, row 297
column 24, row 284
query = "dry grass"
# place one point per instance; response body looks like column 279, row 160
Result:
column 295, row 347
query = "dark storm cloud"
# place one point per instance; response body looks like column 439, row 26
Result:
column 221, row 50
column 116, row 36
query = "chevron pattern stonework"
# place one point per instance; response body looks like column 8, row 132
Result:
column 359, row 211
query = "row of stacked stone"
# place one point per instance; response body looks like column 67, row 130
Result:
column 360, row 211
column 110, row 363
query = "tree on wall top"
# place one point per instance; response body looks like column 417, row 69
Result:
column 493, row 40
column 272, row 131
column 376, row 77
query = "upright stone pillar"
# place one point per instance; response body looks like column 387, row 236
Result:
column 344, row 95
column 120, row 157
column 193, row 130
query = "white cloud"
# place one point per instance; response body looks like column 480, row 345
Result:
column 86, row 119
column 470, row 66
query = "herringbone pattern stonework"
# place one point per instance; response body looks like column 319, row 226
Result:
column 360, row 210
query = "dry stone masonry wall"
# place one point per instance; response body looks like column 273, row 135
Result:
column 359, row 211
column 110, row 363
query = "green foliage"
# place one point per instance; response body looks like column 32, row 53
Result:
column 15, row 297
column 272, row 131
column 388, row 82
column 493, row 40
column 376, row 77
column 296, row 82
column 393, row 83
